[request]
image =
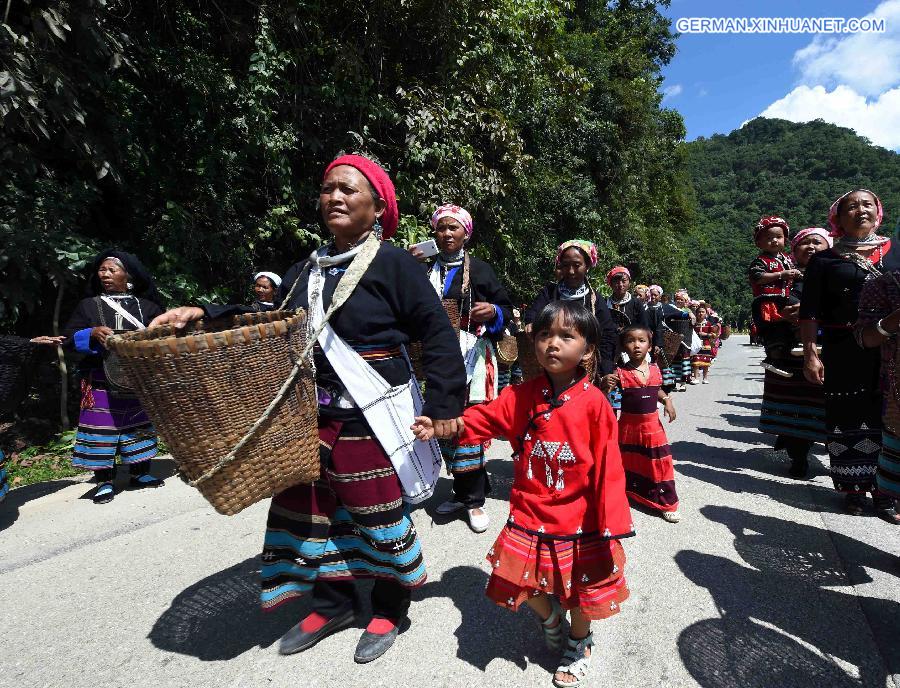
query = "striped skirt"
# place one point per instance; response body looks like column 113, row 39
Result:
column 647, row 459
column 587, row 573
column 888, row 477
column 4, row 477
column 351, row 524
column 792, row 407
column 109, row 425
column 704, row 357
column 462, row 458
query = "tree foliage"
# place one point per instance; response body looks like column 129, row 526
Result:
column 194, row 134
column 773, row 167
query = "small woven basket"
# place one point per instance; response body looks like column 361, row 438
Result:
column 726, row 332
column 205, row 387
column 415, row 348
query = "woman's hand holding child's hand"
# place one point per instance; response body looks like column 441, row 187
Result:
column 425, row 428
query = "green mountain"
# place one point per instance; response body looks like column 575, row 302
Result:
column 772, row 167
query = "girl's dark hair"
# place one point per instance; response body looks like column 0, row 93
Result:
column 573, row 315
column 634, row 328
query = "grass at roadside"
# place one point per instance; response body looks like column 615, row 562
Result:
column 36, row 464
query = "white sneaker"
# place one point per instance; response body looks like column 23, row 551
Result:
column 449, row 507
column 671, row 516
column 478, row 522
column 692, row 381
column 705, row 381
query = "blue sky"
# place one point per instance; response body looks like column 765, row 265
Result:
column 719, row 81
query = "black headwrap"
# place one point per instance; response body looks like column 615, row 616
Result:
column 144, row 286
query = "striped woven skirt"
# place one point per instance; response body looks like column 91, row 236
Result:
column 110, row 424
column 647, row 458
column 703, row 358
column 462, row 458
column 350, row 524
column 587, row 572
column 888, row 477
column 4, row 477
column 792, row 407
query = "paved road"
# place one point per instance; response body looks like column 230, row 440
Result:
column 764, row 583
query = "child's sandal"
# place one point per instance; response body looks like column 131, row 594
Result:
column 574, row 662
column 554, row 625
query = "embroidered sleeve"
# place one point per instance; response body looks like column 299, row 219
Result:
column 757, row 269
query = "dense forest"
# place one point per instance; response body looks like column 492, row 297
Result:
column 195, row 134
column 773, row 167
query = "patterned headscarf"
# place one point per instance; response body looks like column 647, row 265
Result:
column 618, row 270
column 834, row 220
column 769, row 222
column 458, row 213
column 655, row 289
column 818, row 231
column 586, row 247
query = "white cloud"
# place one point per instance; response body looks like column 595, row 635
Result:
column 867, row 62
column 671, row 92
column 878, row 119
column 851, row 80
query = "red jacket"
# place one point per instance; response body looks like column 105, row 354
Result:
column 568, row 476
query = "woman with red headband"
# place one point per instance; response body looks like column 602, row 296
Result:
column 574, row 259
column 849, row 372
column 354, row 522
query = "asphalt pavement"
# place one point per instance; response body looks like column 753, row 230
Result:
column 763, row 583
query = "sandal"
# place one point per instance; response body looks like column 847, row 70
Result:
column 104, row 493
column 574, row 662
column 145, row 480
column 886, row 510
column 854, row 504
column 554, row 625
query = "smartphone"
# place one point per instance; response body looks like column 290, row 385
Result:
column 428, row 248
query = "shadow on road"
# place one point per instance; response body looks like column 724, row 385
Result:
column 773, row 634
column 488, row 632
column 219, row 617
column 752, row 406
column 730, row 469
column 9, row 510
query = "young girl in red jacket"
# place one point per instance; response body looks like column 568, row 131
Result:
column 559, row 550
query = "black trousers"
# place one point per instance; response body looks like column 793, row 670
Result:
column 107, row 475
column 471, row 488
column 796, row 448
column 390, row 600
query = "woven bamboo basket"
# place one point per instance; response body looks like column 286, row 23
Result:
column 204, row 388
column 529, row 363
column 726, row 332
column 415, row 348
column 15, row 358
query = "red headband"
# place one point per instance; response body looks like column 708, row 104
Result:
column 382, row 184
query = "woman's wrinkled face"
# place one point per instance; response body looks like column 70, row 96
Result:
column 449, row 235
column 809, row 247
column 620, row 284
column 681, row 300
column 112, row 277
column 346, row 203
column 857, row 214
column 654, row 296
column 573, row 268
column 264, row 289
column 641, row 294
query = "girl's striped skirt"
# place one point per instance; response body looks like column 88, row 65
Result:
column 110, row 424
column 350, row 524
column 587, row 572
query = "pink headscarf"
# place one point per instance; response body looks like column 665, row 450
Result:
column 834, row 221
column 618, row 270
column 381, row 182
column 818, row 231
column 458, row 213
column 586, row 247
column 656, row 288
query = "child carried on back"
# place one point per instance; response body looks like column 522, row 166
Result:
column 559, row 550
column 771, row 275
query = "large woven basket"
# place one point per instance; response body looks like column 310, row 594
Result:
column 204, row 388
column 15, row 357
column 415, row 348
column 529, row 363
